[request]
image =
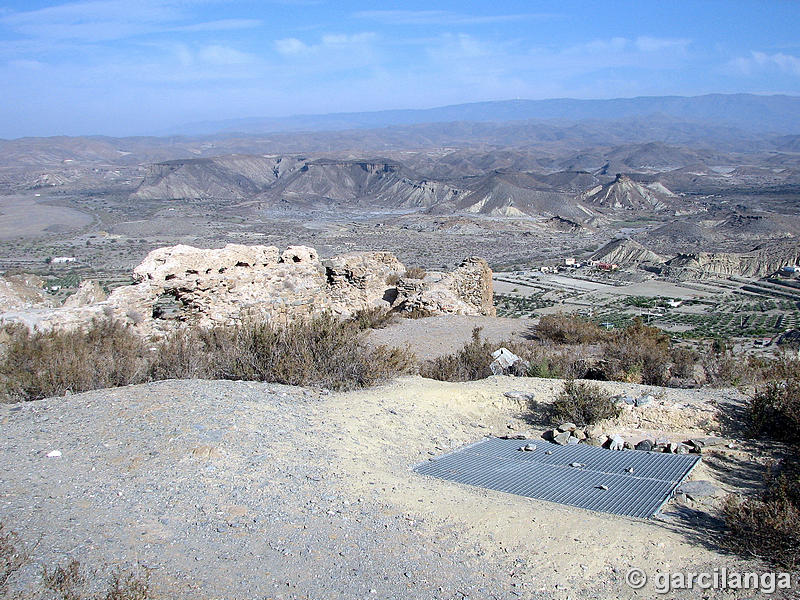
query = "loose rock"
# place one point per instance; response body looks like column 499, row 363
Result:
column 616, row 442
column 562, row 438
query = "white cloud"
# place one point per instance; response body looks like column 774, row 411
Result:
column 442, row 17
column 329, row 42
column 759, row 62
column 223, row 55
column 653, row 44
column 291, row 46
column 95, row 21
column 221, row 25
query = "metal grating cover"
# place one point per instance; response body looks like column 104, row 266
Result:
column 498, row 464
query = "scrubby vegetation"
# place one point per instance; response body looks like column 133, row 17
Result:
column 36, row 365
column 416, row 273
column 469, row 363
column 323, row 352
column 768, row 527
column 569, row 329
column 639, row 354
column 373, row 318
column 775, row 409
column 71, row 581
column 583, row 403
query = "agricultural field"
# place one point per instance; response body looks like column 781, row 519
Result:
column 707, row 310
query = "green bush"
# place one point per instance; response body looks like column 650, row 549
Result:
column 583, row 403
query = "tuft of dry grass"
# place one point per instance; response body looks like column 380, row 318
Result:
column 415, row 273
column 71, row 581
column 373, row 318
column 12, row 557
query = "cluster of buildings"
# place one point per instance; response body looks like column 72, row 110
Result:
column 570, row 264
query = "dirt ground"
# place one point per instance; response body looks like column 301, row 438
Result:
column 243, row 490
column 436, row 336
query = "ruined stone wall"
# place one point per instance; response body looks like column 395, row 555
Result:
column 185, row 285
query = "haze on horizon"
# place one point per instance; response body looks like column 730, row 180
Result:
column 113, row 67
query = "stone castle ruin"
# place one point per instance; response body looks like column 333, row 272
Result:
column 207, row 287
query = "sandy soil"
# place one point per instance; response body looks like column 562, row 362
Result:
column 29, row 216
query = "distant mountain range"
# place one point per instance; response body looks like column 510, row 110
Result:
column 777, row 114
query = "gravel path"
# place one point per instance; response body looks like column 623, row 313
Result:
column 249, row 490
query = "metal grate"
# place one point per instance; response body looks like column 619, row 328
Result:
column 498, row 464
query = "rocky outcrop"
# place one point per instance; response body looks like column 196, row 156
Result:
column 626, row 252
column 275, row 180
column 18, row 292
column 207, row 287
column 88, row 293
column 760, row 262
column 624, row 193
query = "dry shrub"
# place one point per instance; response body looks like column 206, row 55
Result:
column 722, row 367
column 638, row 354
column 66, row 582
column 12, row 557
column 38, row 364
column 769, row 527
column 373, row 318
column 774, row 410
column 583, row 403
column 468, row 364
column 415, row 273
column 184, row 354
column 128, row 585
column 569, row 329
column 72, row 581
column 683, row 363
column 323, row 351
column 568, row 362
column 416, row 313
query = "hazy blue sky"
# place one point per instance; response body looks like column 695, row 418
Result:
column 140, row 66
